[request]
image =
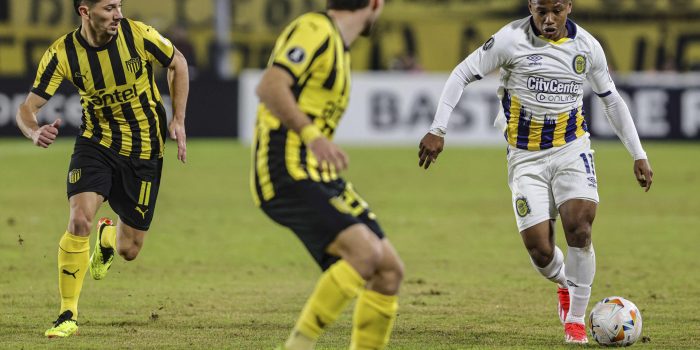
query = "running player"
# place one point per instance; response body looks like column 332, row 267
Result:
column 295, row 176
column 118, row 155
column 544, row 60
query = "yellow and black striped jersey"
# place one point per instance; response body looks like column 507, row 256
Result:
column 122, row 108
column 312, row 51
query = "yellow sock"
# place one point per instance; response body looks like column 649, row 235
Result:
column 373, row 320
column 109, row 237
column 73, row 257
column 334, row 291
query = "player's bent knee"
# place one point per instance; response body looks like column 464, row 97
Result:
column 129, row 253
column 539, row 256
column 579, row 235
column 80, row 224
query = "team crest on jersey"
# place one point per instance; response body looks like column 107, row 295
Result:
column 489, row 43
column 296, row 54
column 133, row 65
column 579, row 64
column 74, row 176
column 522, row 207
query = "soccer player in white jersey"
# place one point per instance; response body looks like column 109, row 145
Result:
column 544, row 60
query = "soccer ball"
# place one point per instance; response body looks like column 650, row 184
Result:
column 615, row 321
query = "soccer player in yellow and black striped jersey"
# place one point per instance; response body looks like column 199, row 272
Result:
column 118, row 155
column 295, row 175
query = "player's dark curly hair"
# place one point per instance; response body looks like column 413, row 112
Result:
column 347, row 4
column 77, row 3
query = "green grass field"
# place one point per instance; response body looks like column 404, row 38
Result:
column 216, row 273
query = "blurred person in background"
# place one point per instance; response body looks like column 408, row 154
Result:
column 295, row 177
column 544, row 60
column 118, row 155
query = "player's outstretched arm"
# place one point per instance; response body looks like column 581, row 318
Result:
column 42, row 136
column 644, row 174
column 621, row 121
column 429, row 148
column 275, row 93
column 179, row 85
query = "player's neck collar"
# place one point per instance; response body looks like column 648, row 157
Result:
column 87, row 45
column 571, row 28
column 337, row 30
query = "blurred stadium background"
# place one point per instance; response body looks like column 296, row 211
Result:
column 469, row 282
column 652, row 46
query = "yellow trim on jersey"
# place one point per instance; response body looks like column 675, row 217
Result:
column 536, row 134
column 292, row 156
column 555, row 42
column 560, row 130
column 512, row 127
column 268, row 191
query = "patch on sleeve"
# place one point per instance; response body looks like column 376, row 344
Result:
column 296, row 54
column 489, row 43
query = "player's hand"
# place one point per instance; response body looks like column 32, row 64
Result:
column 429, row 149
column 46, row 135
column 177, row 133
column 643, row 173
column 326, row 152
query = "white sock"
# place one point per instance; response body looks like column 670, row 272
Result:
column 554, row 271
column 580, row 269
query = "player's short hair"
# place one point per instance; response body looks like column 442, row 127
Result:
column 347, row 4
column 77, row 3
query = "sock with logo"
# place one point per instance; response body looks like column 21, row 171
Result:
column 335, row 289
column 580, row 270
column 109, row 237
column 554, row 271
column 373, row 320
column 73, row 257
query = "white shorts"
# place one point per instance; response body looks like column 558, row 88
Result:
column 541, row 181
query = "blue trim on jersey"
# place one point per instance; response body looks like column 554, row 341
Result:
column 523, row 130
column 548, row 133
column 505, row 102
column 607, row 93
column 571, row 28
column 570, row 134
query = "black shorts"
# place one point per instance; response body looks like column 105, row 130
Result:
column 130, row 185
column 318, row 212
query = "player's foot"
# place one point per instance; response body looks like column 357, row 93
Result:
column 563, row 306
column 101, row 259
column 64, row 326
column 575, row 333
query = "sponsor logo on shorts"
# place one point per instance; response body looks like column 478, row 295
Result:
column 522, row 207
column 74, row 176
column 142, row 211
column 592, row 182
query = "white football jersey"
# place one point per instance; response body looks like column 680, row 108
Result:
column 542, row 82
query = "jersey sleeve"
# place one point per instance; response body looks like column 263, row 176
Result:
column 158, row 48
column 493, row 54
column 49, row 75
column 302, row 48
column 599, row 76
